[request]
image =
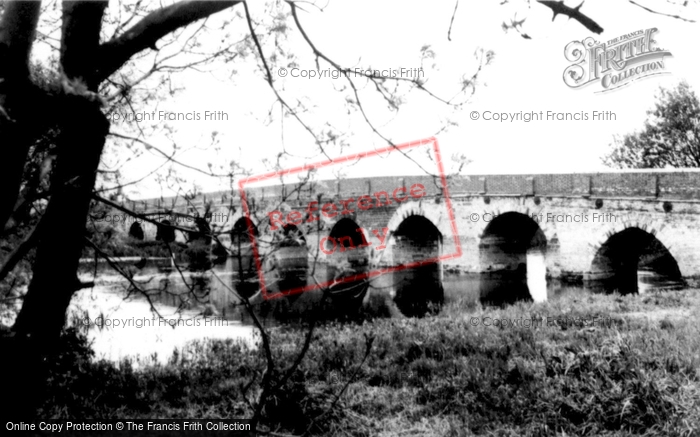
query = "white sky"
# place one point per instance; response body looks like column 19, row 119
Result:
column 526, row 75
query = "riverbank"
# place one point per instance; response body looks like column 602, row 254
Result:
column 585, row 364
column 120, row 328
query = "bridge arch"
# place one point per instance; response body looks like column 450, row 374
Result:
column 415, row 246
column 498, row 207
column 345, row 236
column 136, row 231
column 632, row 259
column 241, row 229
column 435, row 213
column 512, row 253
column 655, row 227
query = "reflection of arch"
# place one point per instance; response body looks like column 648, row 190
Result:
column 245, row 279
column 287, row 264
column 512, row 255
column 348, row 256
column 417, row 242
column 632, row 256
column 164, row 232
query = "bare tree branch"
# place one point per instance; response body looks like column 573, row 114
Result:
column 150, row 146
column 124, row 274
column 452, row 20
column 575, row 13
column 270, row 367
column 268, row 78
column 678, row 17
column 17, row 31
column 146, row 33
column 354, row 88
column 80, row 38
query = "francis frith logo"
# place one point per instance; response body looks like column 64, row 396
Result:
column 615, row 63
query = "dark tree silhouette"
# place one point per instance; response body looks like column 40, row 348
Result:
column 670, row 136
column 71, row 107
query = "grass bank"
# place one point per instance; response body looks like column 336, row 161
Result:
column 583, row 364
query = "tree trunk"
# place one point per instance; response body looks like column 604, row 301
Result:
column 82, row 133
column 17, row 103
column 43, row 314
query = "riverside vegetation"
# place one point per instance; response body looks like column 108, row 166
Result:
column 634, row 372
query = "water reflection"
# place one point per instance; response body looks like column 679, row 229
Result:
column 512, row 251
column 536, row 275
column 419, row 290
column 526, row 282
column 347, row 258
column 408, row 287
column 416, row 247
column 286, row 266
column 506, row 287
column 215, row 288
column 503, row 287
column 243, row 258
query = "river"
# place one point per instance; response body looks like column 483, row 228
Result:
column 121, row 328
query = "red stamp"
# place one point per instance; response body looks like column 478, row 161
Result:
column 336, row 234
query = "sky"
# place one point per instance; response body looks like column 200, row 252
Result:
column 525, row 75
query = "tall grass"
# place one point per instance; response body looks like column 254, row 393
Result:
column 635, row 371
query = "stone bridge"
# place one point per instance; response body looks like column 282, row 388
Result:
column 620, row 230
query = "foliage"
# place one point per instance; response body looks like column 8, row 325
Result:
column 670, row 137
column 437, row 376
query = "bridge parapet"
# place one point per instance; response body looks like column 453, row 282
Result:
column 667, row 185
column 660, row 185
